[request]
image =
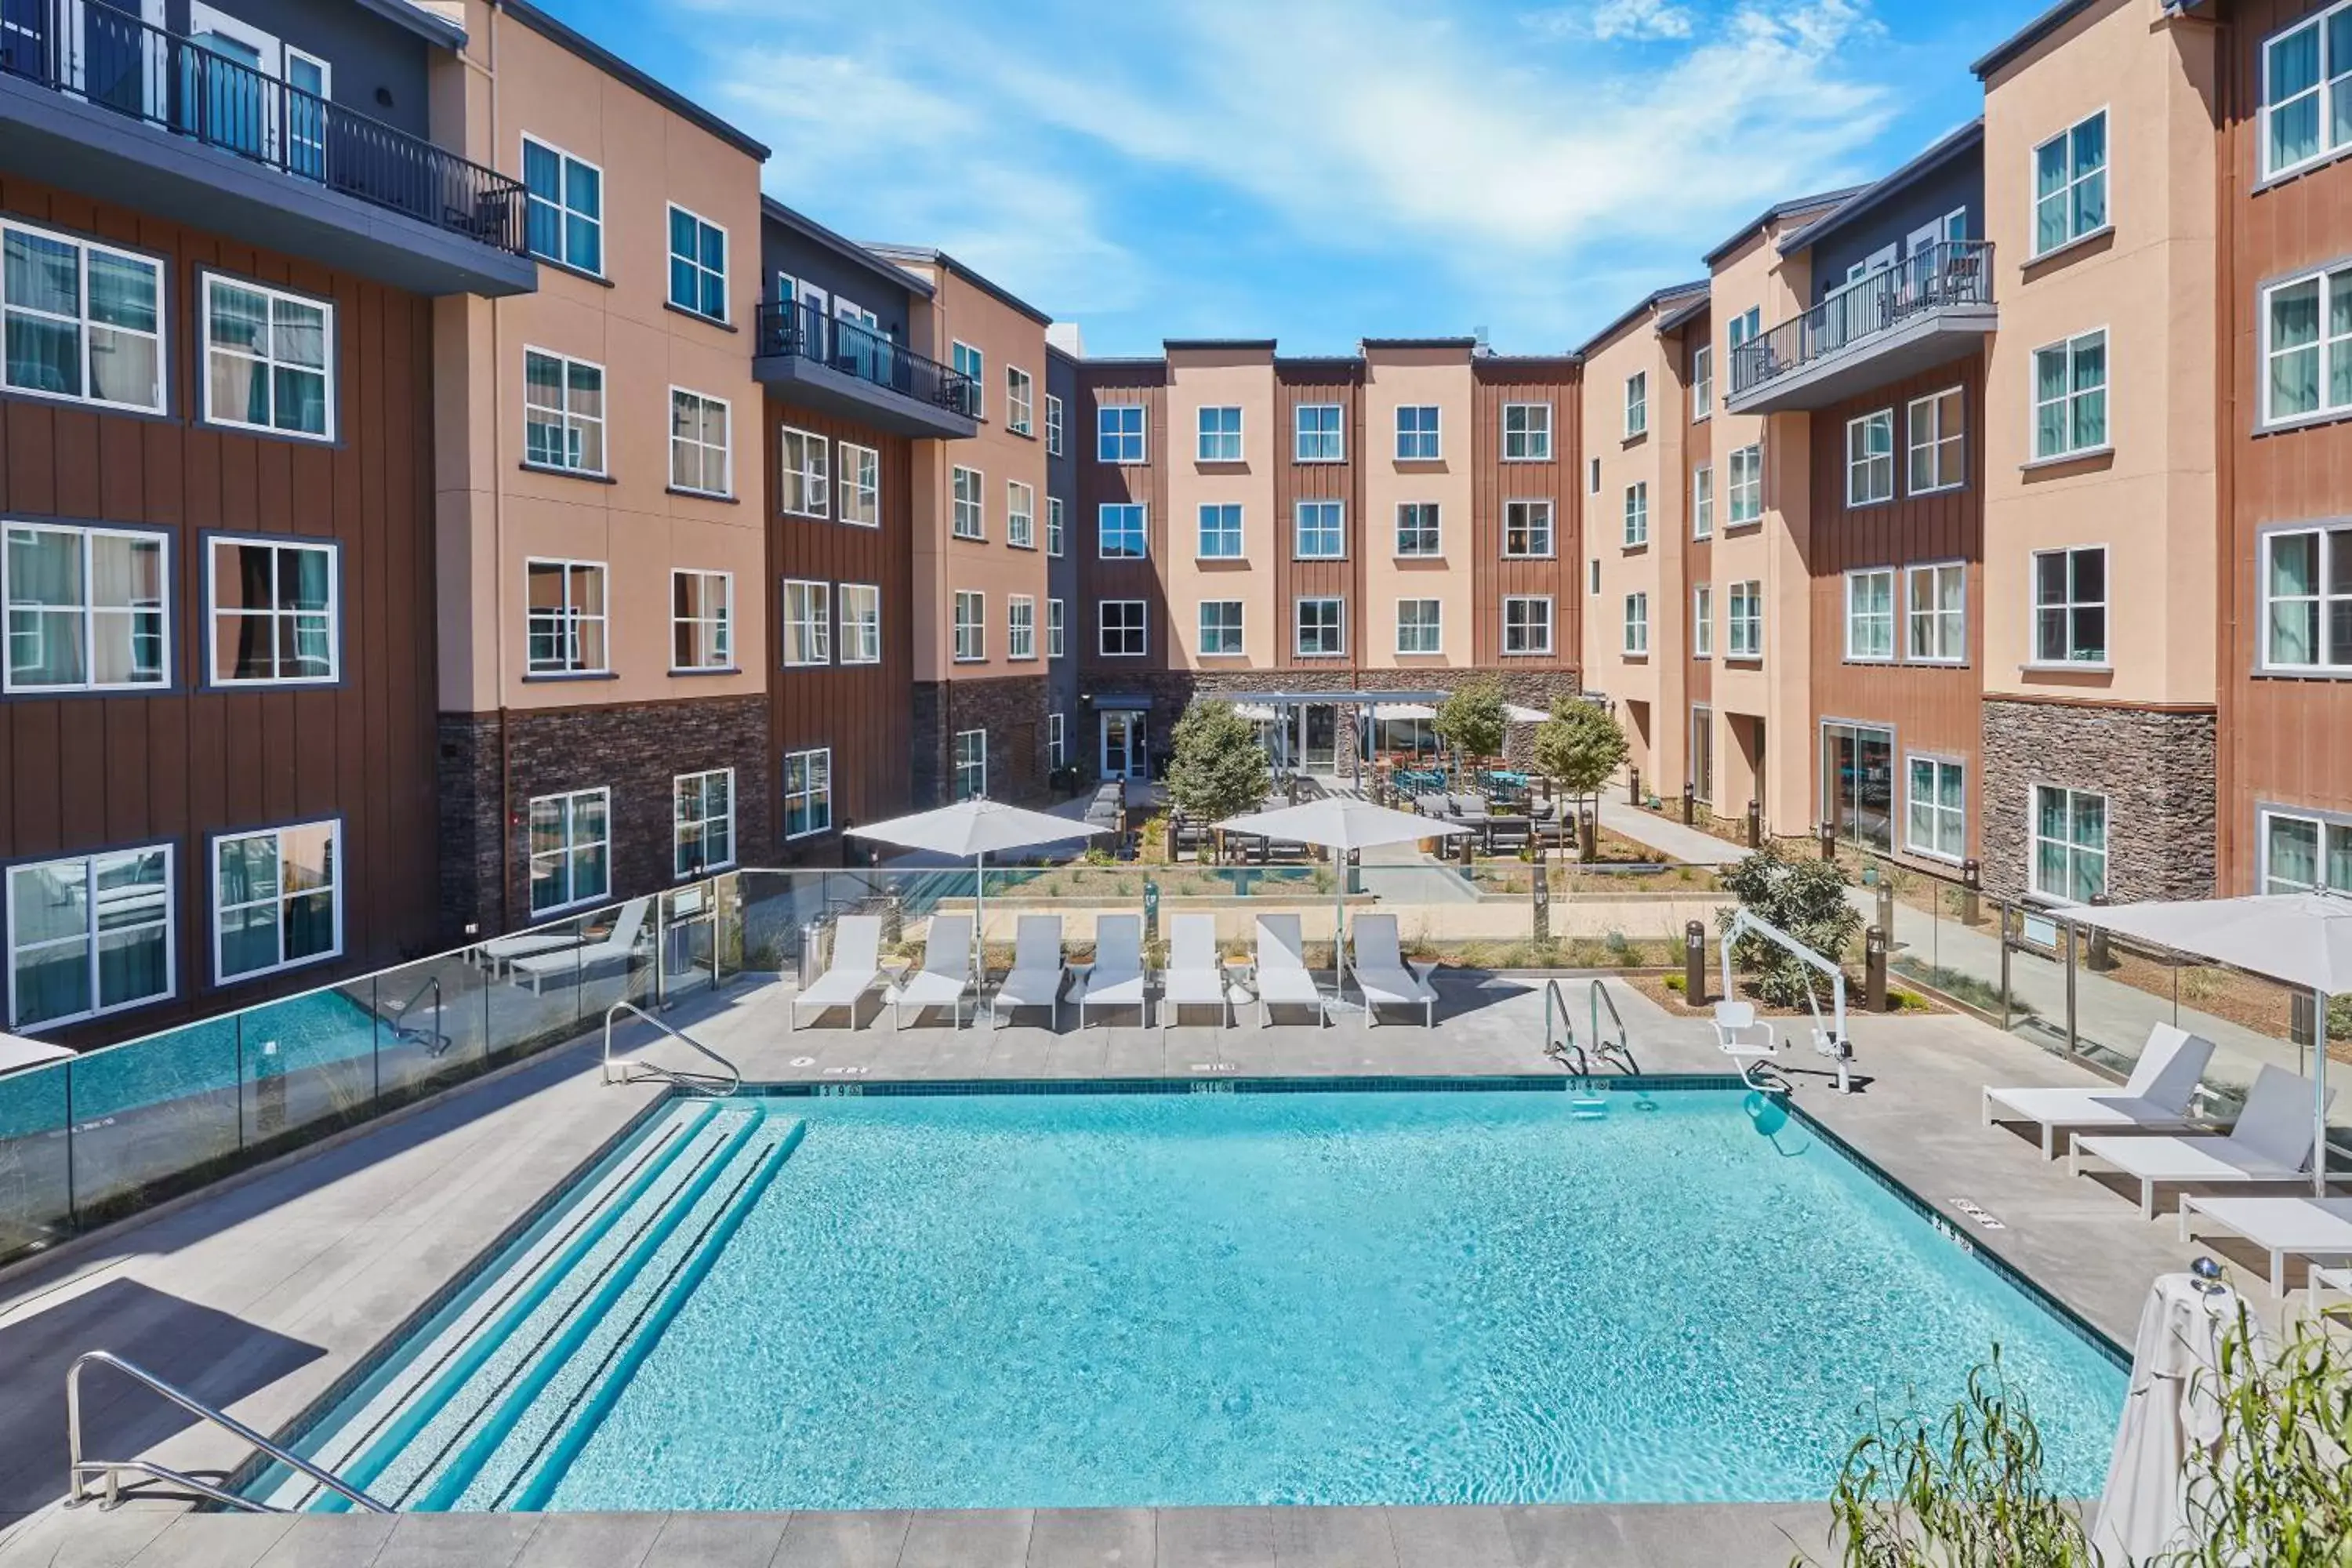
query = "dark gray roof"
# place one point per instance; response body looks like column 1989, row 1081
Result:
column 2032, row 33
column 613, row 64
column 1419, row 342
column 924, row 252
column 1649, row 302
column 1778, row 210
column 430, row 26
column 1683, row 313
column 1958, row 143
column 1266, row 344
column 800, row 223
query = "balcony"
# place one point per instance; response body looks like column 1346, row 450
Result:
column 842, row 368
column 1937, row 306
column 94, row 99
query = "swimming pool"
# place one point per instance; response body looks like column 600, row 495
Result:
column 1031, row 1299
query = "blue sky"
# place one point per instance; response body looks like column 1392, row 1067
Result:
column 1316, row 171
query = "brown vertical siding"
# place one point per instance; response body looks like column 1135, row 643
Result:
column 1497, row 381
column 81, row 772
column 1113, row 484
column 1312, row 381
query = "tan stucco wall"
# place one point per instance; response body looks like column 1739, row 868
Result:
column 1242, row 378
column 1623, row 462
column 1394, row 377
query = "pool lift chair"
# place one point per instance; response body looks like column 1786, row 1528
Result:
column 1753, row 1042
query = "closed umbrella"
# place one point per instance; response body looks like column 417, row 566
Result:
column 2172, row 1411
column 975, row 829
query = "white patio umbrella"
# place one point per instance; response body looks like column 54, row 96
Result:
column 2302, row 939
column 976, row 829
column 2172, row 1408
column 1518, row 715
column 17, row 1052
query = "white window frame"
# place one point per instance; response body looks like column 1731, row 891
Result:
column 1434, row 626
column 2326, row 91
column 1142, row 510
column 91, row 866
column 860, row 480
column 858, row 611
column 84, row 327
column 1339, row 626
column 1524, row 630
column 969, row 761
column 1529, row 522
column 1637, row 515
column 1205, row 535
column 715, row 632
column 1336, row 438
column 1870, row 470
column 1744, row 609
column 2326, row 348
column 1337, row 530
column 1020, row 401
column 1637, row 404
column 967, row 504
column 680, row 867
column 1857, row 652
column 87, row 613
column 2070, row 606
column 213, row 614
column 1057, row 740
column 1019, row 514
column 1053, row 425
column 1942, row 813
column 1702, row 373
column 969, row 625
column 702, row 270
column 1946, row 451
column 1637, row 625
column 725, row 449
column 1745, row 481
column 564, row 418
column 1703, row 501
column 1057, row 527
column 972, row 364
column 1201, row 628
column 1415, row 532
column 569, row 621
column 1020, row 627
column 2075, row 180
column 808, row 480
column 1114, row 443
column 2319, row 606
column 2034, row 840
column 2035, row 403
column 1702, row 620
column 804, row 616
column 1425, row 445
column 813, row 786
column 1057, row 633
column 2323, row 825
column 280, row 898
column 1104, row 629
column 1220, row 445
column 1533, row 435
column 563, row 209
column 266, row 363
column 1932, row 572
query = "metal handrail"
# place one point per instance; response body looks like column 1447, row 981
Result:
column 1558, row 1045
column 802, row 329
column 436, row 1043
column 113, row 1470
column 1599, row 999
column 734, row 1073
column 1936, row 277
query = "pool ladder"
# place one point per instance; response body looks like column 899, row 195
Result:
column 108, row 1473
column 1561, row 1045
column 633, row 1070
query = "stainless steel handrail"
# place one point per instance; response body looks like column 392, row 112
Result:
column 1599, row 999
column 1554, row 1046
column 435, row 1044
column 111, row 1470
column 734, row 1073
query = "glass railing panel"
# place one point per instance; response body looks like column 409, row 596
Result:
column 308, row 1060
column 150, row 1115
column 434, row 1024
column 535, row 991
column 2034, row 1000
column 36, row 1159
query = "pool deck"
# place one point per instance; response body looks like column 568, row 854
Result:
column 258, row 1294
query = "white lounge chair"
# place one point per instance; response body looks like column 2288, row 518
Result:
column 1195, row 975
column 855, row 969
column 2271, row 1142
column 1038, row 972
column 1746, row 1038
column 1383, row 975
column 946, row 977
column 1116, row 978
column 2158, row 1098
column 1281, row 977
column 620, row 945
column 2316, row 1228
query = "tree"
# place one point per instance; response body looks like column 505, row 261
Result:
column 1219, row 770
column 1472, row 719
column 1578, row 747
column 1805, row 897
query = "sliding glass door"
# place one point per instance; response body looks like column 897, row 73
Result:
column 1858, row 783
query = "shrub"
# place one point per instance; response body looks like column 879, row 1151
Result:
column 1578, row 747
column 1219, row 770
column 1803, row 896
column 1472, row 719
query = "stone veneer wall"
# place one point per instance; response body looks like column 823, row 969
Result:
column 635, row 750
column 2158, row 769
column 1012, row 709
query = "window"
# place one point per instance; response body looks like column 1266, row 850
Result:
column 278, row 899
column 2306, row 854
column 1526, row 625
column 969, row 513
column 2307, row 90
column 807, row 473
column 563, row 413
column 1020, row 515
column 1592, row 483
column 276, row 616
column 2307, row 599
column 1120, row 530
column 2070, row 397
column 87, row 609
column 1056, row 630
column 1053, row 425
column 1745, row 328
column 1021, row 626
column 1637, row 404
column 1321, row 628
column 806, row 625
column 808, row 792
column 970, row 765
column 1418, row 627
column 1020, row 401
column 1637, row 625
column 1936, row 819
column 565, row 208
column 698, row 445
column 1870, row 614
column 2070, row 606
column 2069, row 843
column 972, row 365
column 2309, row 366
column 81, row 320
column 861, row 484
column 1747, row 497
column 971, row 626
column 1221, row 627
column 2070, row 184
column 1637, row 515
column 1702, row 377
column 701, row 620
column 1220, row 437
column 1318, row 531
column 1119, row 632
column 861, row 622
column 268, row 359
column 1939, row 613
column 1858, row 783
column 698, row 265
column 1938, row 431
column 1221, row 532
column 1527, row 432
column 88, row 934
column 564, row 617
column 1703, row 620
column 1317, row 437
column 1744, row 621
column 1416, row 432
column 1527, row 527
column 1417, row 529
column 1057, row 740
column 1594, row 585
column 1119, row 432
column 1057, row 527
column 1703, row 501
column 1870, row 459
column 702, row 816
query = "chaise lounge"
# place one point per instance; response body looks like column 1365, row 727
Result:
column 2271, row 1142
column 1383, row 975
column 2158, row 1098
column 855, row 969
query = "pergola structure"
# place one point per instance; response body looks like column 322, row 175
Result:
column 1283, row 708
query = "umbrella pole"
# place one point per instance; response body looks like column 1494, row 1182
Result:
column 2319, row 1093
column 980, row 917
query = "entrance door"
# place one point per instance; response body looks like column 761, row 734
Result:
column 1858, row 783
column 857, row 345
column 110, row 51
column 1702, row 755
column 1123, row 751
column 310, row 84
column 1319, row 737
column 226, row 87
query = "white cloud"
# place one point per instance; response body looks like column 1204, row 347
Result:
column 1609, row 20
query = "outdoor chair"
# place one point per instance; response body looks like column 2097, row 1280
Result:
column 619, row 946
column 1746, row 1038
column 2312, row 1227
column 1281, row 977
column 1382, row 973
column 855, row 968
column 946, row 976
column 1038, row 974
column 2157, row 1098
column 2271, row 1142
column 1117, row 977
column 1195, row 975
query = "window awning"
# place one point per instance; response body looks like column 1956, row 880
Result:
column 1122, row 702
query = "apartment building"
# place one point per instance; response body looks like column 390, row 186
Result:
column 224, row 277
column 1381, row 527
column 979, row 696
column 601, row 532
column 1061, row 357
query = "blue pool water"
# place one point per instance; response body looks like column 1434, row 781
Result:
column 1027, row 1300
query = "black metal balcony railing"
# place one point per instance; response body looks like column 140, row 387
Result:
column 805, row 329
column 1934, row 278
column 113, row 60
